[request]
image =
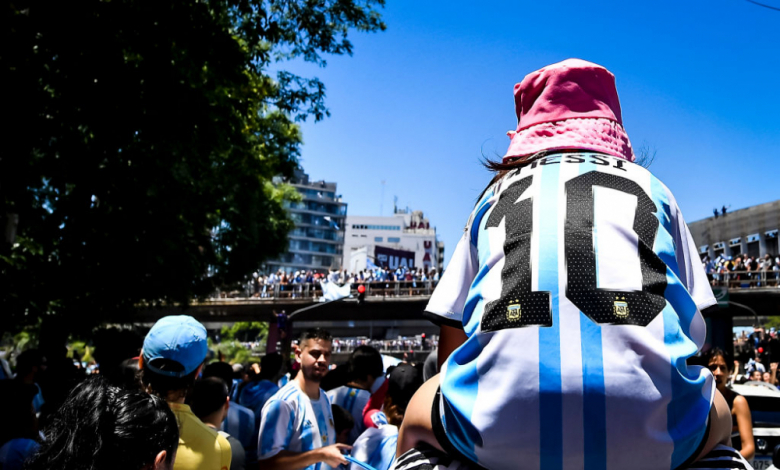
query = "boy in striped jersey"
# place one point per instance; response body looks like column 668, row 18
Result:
column 571, row 303
column 296, row 428
column 365, row 366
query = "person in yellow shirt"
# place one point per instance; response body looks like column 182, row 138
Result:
column 171, row 359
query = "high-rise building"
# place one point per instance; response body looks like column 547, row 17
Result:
column 404, row 239
column 317, row 242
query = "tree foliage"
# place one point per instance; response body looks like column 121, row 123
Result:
column 141, row 140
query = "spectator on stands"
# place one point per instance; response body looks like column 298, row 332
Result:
column 210, row 402
column 296, row 428
column 718, row 361
column 343, row 422
column 172, row 357
column 29, row 365
column 365, row 366
column 239, row 420
column 376, row 445
column 19, row 429
column 101, row 426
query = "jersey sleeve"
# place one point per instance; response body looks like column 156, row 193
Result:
column 446, row 304
column 692, row 273
column 276, row 428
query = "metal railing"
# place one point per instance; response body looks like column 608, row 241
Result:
column 313, row 291
column 745, row 279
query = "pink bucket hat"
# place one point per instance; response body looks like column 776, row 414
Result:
column 569, row 105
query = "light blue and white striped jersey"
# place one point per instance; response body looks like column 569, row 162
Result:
column 291, row 421
column 240, row 423
column 255, row 394
column 376, row 447
column 353, row 400
column 579, row 288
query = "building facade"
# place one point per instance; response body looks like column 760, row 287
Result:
column 316, row 243
column 752, row 231
column 405, row 239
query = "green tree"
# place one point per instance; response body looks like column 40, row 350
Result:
column 141, row 141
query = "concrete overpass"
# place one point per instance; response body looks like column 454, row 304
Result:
column 376, row 317
column 391, row 316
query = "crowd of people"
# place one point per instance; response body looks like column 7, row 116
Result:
column 402, row 344
column 743, row 270
column 381, row 280
column 757, row 356
column 164, row 408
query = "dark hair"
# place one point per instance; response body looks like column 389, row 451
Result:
column 342, row 419
column 314, row 333
column 129, row 376
column 501, row 168
column 162, row 385
column 715, row 352
column 365, row 361
column 270, row 365
column 102, row 426
column 220, row 370
column 207, row 396
column 27, row 360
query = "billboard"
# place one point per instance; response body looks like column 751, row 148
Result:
column 390, row 258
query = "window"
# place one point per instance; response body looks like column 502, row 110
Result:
column 378, row 239
column 393, row 240
column 376, row 227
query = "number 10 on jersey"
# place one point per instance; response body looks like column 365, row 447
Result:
column 520, row 306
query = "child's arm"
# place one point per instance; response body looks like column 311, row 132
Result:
column 450, row 339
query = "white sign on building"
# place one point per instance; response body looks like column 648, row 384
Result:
column 404, row 239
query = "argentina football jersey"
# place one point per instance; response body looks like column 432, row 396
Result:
column 353, row 400
column 291, row 421
column 579, row 288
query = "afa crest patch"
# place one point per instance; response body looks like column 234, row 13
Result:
column 513, row 312
column 621, row 308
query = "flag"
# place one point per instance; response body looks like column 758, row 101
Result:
column 332, row 291
column 332, row 223
column 370, row 264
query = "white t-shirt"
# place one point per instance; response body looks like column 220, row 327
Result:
column 291, row 421
column 580, row 288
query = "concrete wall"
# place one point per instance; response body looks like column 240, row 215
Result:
column 757, row 221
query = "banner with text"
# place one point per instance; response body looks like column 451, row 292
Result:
column 393, row 259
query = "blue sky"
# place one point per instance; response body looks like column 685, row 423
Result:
column 420, row 104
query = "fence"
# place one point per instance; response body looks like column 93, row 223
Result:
column 745, row 279
column 314, row 290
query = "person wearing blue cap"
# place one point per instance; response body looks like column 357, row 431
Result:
column 171, row 360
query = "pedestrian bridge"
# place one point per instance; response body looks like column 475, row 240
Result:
column 394, row 308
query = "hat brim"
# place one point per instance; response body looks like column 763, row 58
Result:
column 594, row 134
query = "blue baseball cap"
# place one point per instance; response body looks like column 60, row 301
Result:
column 178, row 338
